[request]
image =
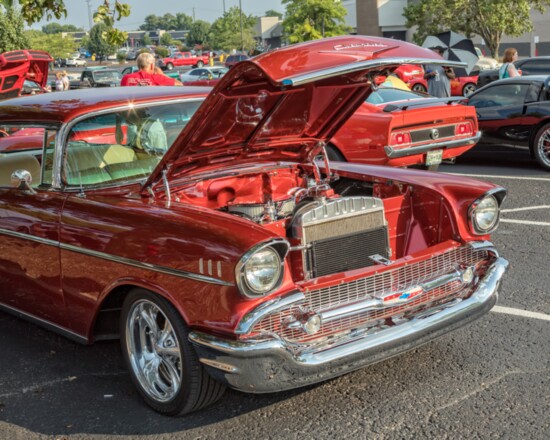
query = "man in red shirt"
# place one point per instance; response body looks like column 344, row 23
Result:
column 148, row 74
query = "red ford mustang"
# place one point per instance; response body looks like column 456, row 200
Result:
column 197, row 228
column 402, row 128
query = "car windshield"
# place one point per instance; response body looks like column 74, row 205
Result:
column 107, row 75
column 384, row 95
column 123, row 145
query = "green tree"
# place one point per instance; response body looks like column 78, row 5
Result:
column 166, row 39
column 55, row 44
column 225, row 32
column 274, row 13
column 183, row 21
column 97, row 43
column 168, row 22
column 312, row 19
column 490, row 19
column 12, row 36
column 198, row 33
column 34, row 11
column 152, row 23
column 147, row 40
column 56, row 28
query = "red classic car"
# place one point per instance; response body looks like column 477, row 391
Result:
column 19, row 66
column 403, row 128
column 198, row 228
column 413, row 76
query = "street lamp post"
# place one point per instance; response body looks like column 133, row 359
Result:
column 241, row 20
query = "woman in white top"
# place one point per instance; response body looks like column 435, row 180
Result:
column 508, row 70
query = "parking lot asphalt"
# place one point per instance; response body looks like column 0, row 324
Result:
column 490, row 379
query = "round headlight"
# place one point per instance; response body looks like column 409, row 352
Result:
column 485, row 214
column 262, row 271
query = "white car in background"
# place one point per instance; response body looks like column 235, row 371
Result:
column 75, row 61
column 484, row 62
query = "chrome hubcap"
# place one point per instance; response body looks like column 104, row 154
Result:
column 544, row 147
column 154, row 351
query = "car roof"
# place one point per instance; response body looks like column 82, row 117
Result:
column 57, row 108
column 524, row 79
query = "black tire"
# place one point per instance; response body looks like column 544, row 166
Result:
column 468, row 89
column 541, row 147
column 200, row 64
column 419, row 88
column 335, row 155
column 166, row 349
column 169, row 66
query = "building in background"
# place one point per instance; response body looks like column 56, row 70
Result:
column 268, row 32
column 385, row 18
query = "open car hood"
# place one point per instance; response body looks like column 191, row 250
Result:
column 284, row 104
column 29, row 64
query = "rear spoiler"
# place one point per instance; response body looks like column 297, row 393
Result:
column 404, row 105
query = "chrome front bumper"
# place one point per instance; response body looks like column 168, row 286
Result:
column 261, row 366
column 394, row 153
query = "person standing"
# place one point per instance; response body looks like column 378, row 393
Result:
column 508, row 69
column 438, row 77
column 58, row 82
column 148, row 74
column 65, row 79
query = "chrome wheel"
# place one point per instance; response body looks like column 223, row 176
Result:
column 419, row 88
column 469, row 89
column 542, row 152
column 153, row 351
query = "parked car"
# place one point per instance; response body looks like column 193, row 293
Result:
column 20, row 66
column 132, row 55
column 195, row 227
column 413, row 76
column 484, row 63
column 203, row 76
column 527, row 66
column 180, row 59
column 516, row 111
column 231, row 60
column 402, row 128
column 75, row 61
column 100, row 78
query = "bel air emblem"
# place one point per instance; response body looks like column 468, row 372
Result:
column 402, row 297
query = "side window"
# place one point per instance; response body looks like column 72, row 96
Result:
column 125, row 145
column 21, row 148
column 501, row 95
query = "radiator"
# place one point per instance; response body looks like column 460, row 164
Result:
column 341, row 234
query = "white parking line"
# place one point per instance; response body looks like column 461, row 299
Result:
column 528, row 208
column 492, row 176
column 520, row 312
column 524, row 222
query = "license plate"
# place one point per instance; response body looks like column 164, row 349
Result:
column 434, row 157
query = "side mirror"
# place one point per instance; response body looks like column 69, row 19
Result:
column 22, row 179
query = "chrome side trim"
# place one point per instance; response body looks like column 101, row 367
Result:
column 43, row 323
column 393, row 153
column 117, row 259
column 265, row 309
column 362, row 65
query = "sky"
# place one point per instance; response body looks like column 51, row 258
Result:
column 208, row 10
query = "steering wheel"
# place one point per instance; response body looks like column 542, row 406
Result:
column 4, row 133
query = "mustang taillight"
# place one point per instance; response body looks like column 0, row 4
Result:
column 400, row 139
column 464, row 129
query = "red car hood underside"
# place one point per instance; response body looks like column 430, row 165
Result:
column 282, row 104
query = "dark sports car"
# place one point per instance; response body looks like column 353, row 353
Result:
column 528, row 67
column 516, row 111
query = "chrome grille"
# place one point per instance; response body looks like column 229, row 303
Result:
column 390, row 280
